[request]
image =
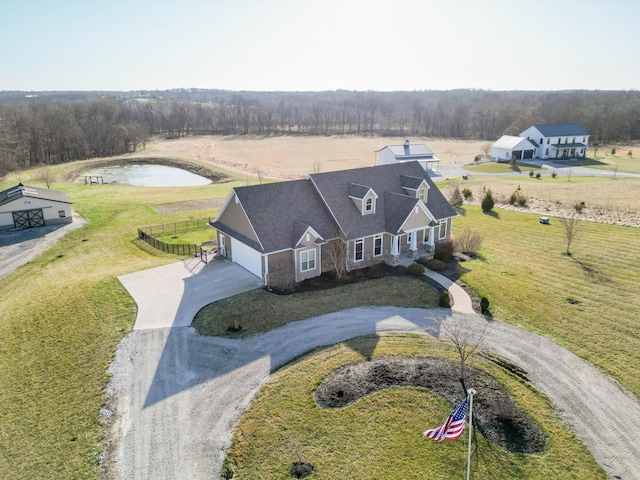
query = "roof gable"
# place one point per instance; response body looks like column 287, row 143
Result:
column 410, row 151
column 509, row 142
column 280, row 213
column 384, row 179
column 20, row 190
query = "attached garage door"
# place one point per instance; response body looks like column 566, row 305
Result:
column 28, row 219
column 246, row 257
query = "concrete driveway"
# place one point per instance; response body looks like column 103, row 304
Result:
column 171, row 295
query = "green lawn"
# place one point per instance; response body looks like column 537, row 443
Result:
column 259, row 310
column 605, row 161
column 197, row 236
column 587, row 302
column 380, row 436
column 60, row 321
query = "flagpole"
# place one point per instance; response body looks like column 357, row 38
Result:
column 471, row 392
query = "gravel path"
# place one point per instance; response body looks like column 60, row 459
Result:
column 177, row 395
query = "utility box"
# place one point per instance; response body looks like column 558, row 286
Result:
column 544, row 220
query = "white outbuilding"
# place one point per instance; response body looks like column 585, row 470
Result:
column 23, row 206
column 508, row 147
column 408, row 152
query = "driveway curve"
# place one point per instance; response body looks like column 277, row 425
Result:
column 177, row 395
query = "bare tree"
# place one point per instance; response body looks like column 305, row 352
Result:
column 571, row 227
column 466, row 337
column 46, row 176
column 317, row 166
column 337, row 253
column 486, row 148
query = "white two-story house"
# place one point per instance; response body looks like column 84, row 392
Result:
column 563, row 140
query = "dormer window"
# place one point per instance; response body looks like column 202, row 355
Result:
column 368, row 205
column 422, row 194
column 363, row 197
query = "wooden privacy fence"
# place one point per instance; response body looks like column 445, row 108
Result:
column 146, row 234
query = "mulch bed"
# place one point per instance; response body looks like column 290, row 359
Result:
column 495, row 414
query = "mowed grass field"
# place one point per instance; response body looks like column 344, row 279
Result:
column 588, row 302
column 61, row 319
column 380, row 436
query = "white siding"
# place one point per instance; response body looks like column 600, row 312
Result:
column 386, row 156
column 246, row 257
column 49, row 208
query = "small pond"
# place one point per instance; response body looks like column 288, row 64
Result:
column 146, row 176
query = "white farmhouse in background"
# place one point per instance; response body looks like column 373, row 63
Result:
column 562, row 140
column 509, row 146
column 409, row 153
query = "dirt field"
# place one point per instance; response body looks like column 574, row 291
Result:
column 294, row 157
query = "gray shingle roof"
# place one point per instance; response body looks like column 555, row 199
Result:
column 568, row 145
column 561, row 129
column 397, row 209
column 333, row 186
column 278, row 212
column 411, row 151
column 410, row 182
column 21, row 190
column 358, row 191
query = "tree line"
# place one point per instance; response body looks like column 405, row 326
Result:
column 55, row 127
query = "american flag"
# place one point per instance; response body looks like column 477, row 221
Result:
column 454, row 426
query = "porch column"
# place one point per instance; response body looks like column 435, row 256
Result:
column 395, row 251
column 413, row 246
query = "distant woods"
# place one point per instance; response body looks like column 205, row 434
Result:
column 56, row 127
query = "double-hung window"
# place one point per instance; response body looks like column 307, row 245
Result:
column 377, row 245
column 358, row 252
column 443, row 229
column 307, row 260
column 368, row 205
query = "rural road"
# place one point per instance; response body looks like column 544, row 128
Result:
column 176, row 395
column 457, row 170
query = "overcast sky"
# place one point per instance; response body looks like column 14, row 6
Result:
column 308, row 45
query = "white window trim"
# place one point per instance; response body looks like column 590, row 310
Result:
column 410, row 237
column 355, row 250
column 375, row 239
column 309, row 260
column 425, row 235
column 440, row 235
column 372, row 205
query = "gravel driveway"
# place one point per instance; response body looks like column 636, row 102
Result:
column 177, row 395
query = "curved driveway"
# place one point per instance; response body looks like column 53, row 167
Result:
column 178, row 395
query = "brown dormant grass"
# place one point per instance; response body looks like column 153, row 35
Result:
column 294, row 157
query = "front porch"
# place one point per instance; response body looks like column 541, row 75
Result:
column 406, row 258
